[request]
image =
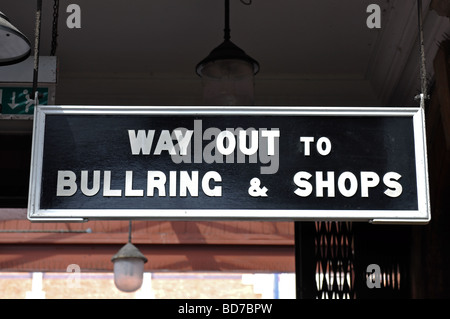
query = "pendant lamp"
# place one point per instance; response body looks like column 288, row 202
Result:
column 128, row 267
column 227, row 72
column 14, row 45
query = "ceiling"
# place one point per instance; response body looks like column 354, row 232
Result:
column 311, row 52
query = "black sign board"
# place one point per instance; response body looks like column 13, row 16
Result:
column 218, row 163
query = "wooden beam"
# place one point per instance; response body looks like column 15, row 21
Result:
column 93, row 258
column 146, row 232
column 172, row 246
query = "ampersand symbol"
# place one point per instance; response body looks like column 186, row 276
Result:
column 255, row 190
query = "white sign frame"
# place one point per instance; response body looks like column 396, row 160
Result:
column 421, row 215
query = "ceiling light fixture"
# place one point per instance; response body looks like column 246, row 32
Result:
column 14, row 45
column 128, row 267
column 228, row 72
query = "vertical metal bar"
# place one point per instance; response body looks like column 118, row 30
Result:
column 298, row 260
column 227, row 35
column 37, row 35
column 304, row 260
column 129, row 231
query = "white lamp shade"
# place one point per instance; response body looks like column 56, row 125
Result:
column 128, row 268
column 14, row 46
column 128, row 274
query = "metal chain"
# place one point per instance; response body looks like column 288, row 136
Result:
column 37, row 37
column 423, row 72
column 55, row 27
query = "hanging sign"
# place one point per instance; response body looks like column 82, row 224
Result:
column 219, row 163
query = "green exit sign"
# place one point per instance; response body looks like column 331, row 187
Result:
column 18, row 100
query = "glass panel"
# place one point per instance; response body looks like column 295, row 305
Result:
column 228, row 82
